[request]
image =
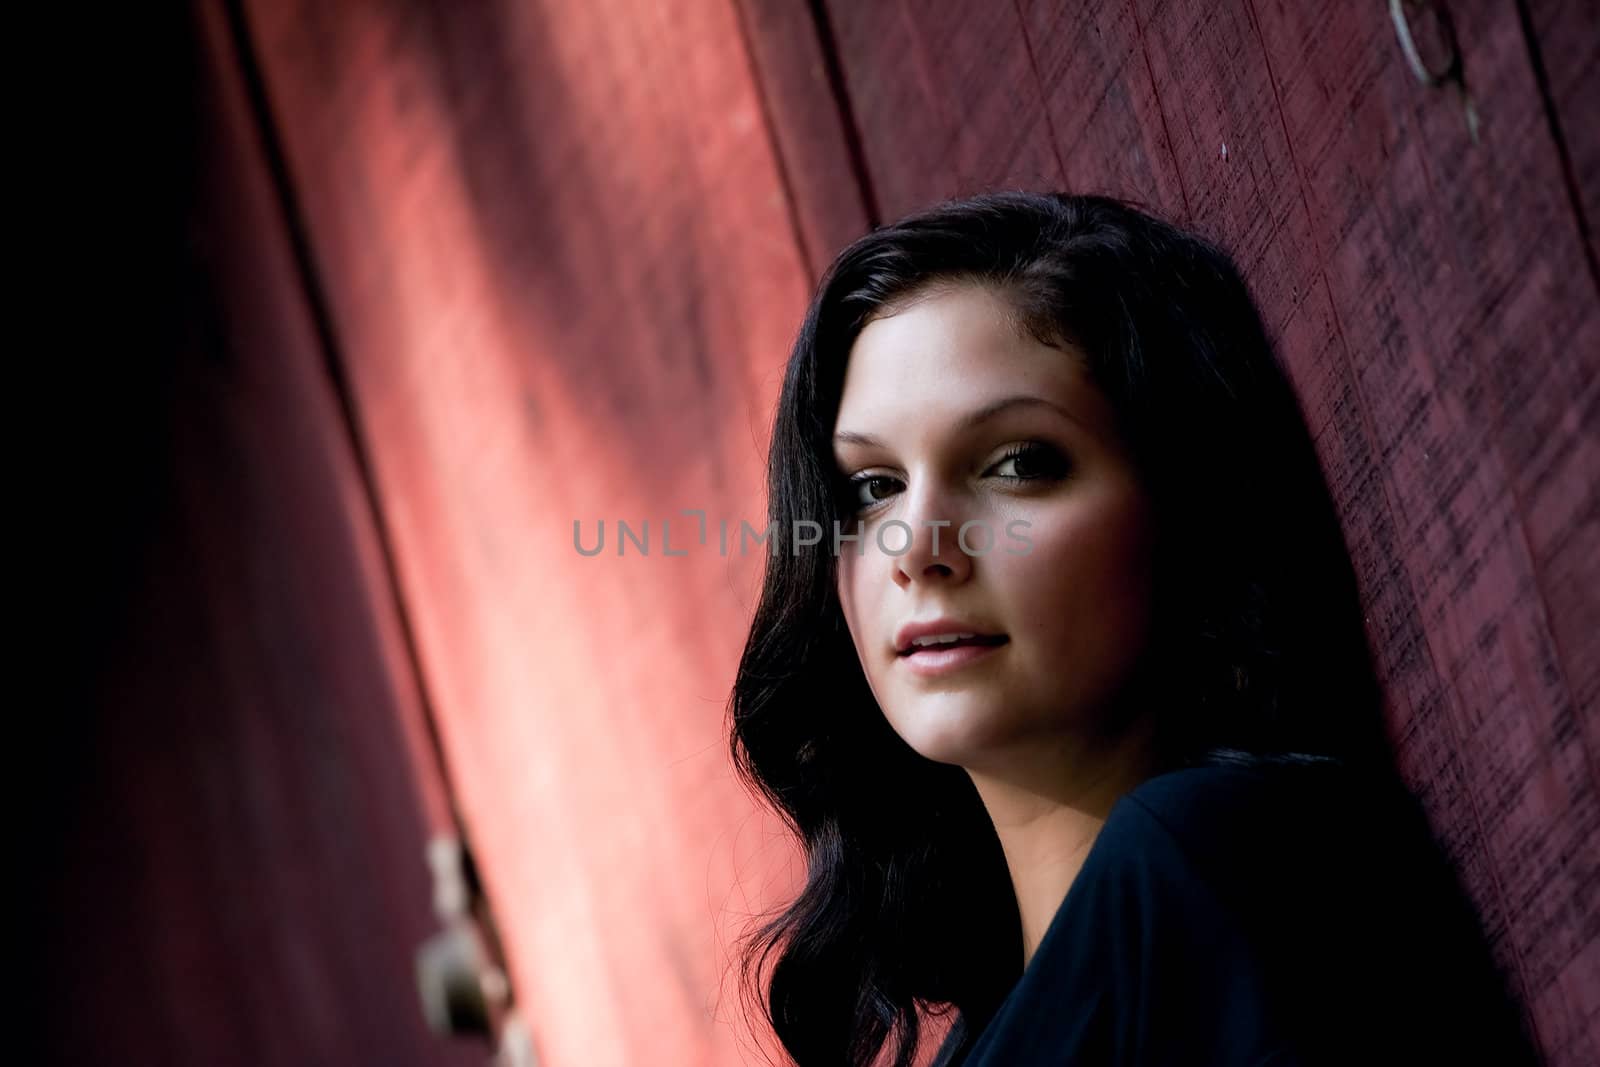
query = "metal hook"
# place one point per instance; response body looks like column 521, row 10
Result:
column 1453, row 70
column 1408, row 43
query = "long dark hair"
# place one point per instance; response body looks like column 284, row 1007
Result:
column 1258, row 654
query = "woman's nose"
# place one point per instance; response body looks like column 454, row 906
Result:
column 932, row 546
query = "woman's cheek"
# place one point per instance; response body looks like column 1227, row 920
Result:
column 857, row 610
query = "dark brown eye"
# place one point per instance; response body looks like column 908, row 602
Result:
column 1030, row 461
column 870, row 489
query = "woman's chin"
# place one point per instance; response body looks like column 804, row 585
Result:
column 947, row 727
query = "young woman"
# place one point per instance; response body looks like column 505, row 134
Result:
column 1070, row 702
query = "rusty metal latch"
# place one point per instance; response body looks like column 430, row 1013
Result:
column 464, row 988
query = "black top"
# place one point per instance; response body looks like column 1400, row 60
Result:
column 1253, row 916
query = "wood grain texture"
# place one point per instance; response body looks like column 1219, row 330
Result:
column 1566, row 45
column 1094, row 73
column 564, row 276
column 1461, row 296
column 242, row 874
column 813, row 130
column 945, row 100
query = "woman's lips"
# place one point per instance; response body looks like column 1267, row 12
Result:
column 942, row 659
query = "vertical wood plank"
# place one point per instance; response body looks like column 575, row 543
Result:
column 564, row 276
column 946, row 99
column 241, row 875
column 1094, row 73
column 1463, row 310
column 812, row 125
column 1464, row 299
column 1565, row 42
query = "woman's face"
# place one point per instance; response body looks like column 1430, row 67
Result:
column 950, row 417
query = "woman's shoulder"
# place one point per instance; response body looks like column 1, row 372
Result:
column 1148, row 958
column 1244, row 907
column 1233, row 786
column 1233, row 816
column 1336, row 880
column 1311, row 854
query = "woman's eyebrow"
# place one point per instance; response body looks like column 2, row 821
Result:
column 975, row 418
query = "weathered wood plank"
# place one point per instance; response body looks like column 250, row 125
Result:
column 1567, row 39
column 564, row 277
column 241, row 872
column 1103, row 110
column 1467, row 318
column 796, row 71
column 946, row 100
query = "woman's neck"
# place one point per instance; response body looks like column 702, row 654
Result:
column 1047, row 809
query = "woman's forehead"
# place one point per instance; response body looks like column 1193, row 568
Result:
column 953, row 355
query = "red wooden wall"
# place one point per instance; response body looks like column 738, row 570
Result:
column 237, row 793
column 471, row 272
